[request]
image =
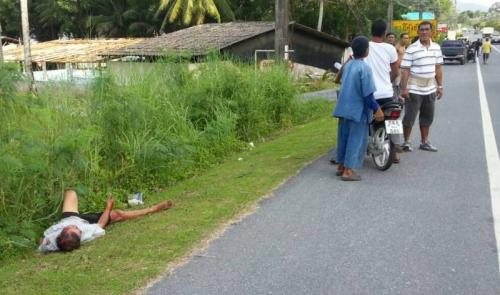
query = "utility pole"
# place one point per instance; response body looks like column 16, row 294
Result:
column 26, row 42
column 1, row 43
column 390, row 13
column 421, row 11
column 281, row 29
column 321, row 12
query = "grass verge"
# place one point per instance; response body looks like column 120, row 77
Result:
column 133, row 253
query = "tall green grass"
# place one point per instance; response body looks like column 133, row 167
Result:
column 136, row 132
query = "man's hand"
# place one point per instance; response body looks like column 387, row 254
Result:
column 104, row 220
column 379, row 115
column 110, row 202
column 405, row 93
column 439, row 93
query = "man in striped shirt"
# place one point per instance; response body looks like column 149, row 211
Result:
column 421, row 84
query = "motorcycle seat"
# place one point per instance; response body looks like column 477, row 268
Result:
column 390, row 104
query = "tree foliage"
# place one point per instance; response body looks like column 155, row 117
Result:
column 194, row 12
column 51, row 19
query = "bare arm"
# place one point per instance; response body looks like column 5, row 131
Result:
column 439, row 80
column 103, row 221
column 338, row 78
column 394, row 70
column 404, row 82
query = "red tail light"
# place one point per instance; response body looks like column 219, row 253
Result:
column 395, row 114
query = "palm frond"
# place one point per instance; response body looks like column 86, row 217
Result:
column 163, row 5
column 225, row 10
column 212, row 9
column 188, row 12
column 175, row 11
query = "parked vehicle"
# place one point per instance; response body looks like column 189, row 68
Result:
column 487, row 32
column 454, row 50
column 381, row 147
column 495, row 39
column 471, row 53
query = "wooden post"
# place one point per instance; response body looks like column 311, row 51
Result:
column 69, row 71
column 281, row 30
column 390, row 13
column 44, row 68
column 26, row 42
column 321, row 12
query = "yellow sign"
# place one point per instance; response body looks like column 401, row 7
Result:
column 411, row 27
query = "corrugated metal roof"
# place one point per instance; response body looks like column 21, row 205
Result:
column 197, row 39
column 73, row 51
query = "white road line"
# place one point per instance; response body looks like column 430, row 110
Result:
column 492, row 158
column 494, row 47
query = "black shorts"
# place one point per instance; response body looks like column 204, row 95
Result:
column 90, row 217
column 425, row 104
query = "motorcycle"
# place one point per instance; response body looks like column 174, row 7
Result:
column 471, row 54
column 381, row 147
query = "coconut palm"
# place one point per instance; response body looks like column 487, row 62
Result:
column 193, row 12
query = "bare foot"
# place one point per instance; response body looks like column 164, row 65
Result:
column 163, row 205
column 347, row 172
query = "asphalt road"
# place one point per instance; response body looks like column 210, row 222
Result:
column 425, row 226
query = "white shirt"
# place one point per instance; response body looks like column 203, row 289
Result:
column 380, row 58
column 89, row 232
column 422, row 62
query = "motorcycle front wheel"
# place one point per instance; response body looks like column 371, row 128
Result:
column 384, row 158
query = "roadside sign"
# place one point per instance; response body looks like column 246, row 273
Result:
column 411, row 26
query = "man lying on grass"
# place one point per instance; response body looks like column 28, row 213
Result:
column 75, row 228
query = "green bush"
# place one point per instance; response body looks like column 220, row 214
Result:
column 138, row 132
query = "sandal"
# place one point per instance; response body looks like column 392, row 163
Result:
column 339, row 172
column 353, row 177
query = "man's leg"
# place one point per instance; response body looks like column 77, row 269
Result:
column 424, row 133
column 70, row 203
column 425, row 120
column 426, row 116
column 412, row 107
column 120, row 215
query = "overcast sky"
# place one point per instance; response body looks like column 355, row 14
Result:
column 480, row 2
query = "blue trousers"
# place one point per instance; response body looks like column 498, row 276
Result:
column 352, row 141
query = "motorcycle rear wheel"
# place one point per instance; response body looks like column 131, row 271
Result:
column 384, row 160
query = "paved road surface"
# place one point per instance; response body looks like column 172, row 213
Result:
column 423, row 227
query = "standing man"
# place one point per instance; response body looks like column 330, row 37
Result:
column 421, row 84
column 477, row 46
column 486, row 50
column 404, row 40
column 383, row 60
column 390, row 38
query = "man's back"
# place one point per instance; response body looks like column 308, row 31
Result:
column 380, row 58
column 486, row 47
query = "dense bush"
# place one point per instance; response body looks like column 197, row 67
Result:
column 136, row 132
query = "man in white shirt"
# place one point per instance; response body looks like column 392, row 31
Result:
column 421, row 85
column 383, row 60
column 76, row 228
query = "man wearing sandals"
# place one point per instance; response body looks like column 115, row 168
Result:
column 383, row 60
column 75, row 228
column 421, row 84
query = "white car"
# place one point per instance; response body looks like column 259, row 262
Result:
column 495, row 38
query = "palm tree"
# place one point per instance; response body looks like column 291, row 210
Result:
column 193, row 12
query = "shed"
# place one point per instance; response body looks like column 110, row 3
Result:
column 241, row 40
